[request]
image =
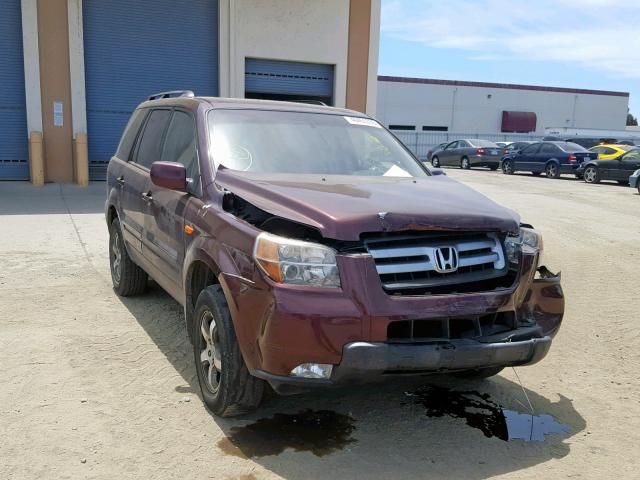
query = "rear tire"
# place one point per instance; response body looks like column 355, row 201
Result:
column 493, row 168
column 507, row 167
column 464, row 163
column 552, row 170
column 128, row 278
column 228, row 389
column 479, row 373
column 435, row 161
column 591, row 175
column 623, row 182
column 536, row 174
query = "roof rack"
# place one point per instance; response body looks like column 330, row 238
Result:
column 171, row 94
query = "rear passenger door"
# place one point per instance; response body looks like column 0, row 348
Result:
column 164, row 222
column 131, row 180
column 546, row 153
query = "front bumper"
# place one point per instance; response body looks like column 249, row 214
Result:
column 282, row 326
column 634, row 180
column 372, row 361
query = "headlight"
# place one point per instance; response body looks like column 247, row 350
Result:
column 528, row 241
column 286, row 260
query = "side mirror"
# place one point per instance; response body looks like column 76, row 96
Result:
column 437, row 171
column 518, row 152
column 169, row 175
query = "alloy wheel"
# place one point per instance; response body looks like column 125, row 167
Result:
column 116, row 257
column 435, row 161
column 552, row 170
column 210, row 354
column 465, row 164
column 590, row 175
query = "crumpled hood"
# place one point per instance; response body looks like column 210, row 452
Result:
column 343, row 207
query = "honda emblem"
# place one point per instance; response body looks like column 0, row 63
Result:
column 445, row 259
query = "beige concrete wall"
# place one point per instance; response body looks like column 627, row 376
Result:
column 53, row 43
column 292, row 30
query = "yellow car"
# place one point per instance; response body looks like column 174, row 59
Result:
column 608, row 152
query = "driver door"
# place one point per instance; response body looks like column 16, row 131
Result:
column 448, row 154
column 627, row 164
column 164, row 222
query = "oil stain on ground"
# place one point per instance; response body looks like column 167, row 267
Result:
column 480, row 412
column 320, row 432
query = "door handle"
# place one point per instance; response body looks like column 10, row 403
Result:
column 120, row 180
column 147, row 197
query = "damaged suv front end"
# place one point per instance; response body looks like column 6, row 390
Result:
column 365, row 267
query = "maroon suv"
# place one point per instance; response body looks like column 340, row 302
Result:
column 310, row 248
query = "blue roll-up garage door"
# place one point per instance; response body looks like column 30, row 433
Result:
column 133, row 49
column 280, row 80
column 14, row 149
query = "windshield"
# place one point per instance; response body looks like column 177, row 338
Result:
column 269, row 141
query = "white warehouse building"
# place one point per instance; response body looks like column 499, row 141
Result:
column 428, row 105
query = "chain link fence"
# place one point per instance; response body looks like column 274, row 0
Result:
column 419, row 142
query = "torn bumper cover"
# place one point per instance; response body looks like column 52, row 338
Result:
column 370, row 361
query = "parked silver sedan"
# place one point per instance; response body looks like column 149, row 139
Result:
column 467, row 153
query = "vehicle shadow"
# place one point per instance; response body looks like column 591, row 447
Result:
column 392, row 433
column 22, row 198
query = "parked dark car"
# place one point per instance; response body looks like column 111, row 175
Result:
column 468, row 153
column 552, row 158
column 618, row 169
column 634, row 180
column 292, row 237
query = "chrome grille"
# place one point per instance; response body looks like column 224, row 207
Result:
column 408, row 261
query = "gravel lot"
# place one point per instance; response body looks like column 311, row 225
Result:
column 93, row 386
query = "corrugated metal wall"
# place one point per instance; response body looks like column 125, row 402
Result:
column 135, row 49
column 288, row 78
column 14, row 149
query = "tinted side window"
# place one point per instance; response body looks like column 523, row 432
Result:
column 532, row 149
column 129, row 135
column 151, row 142
column 180, row 143
column 632, row 156
column 548, row 148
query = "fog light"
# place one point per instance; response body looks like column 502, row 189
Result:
column 312, row 370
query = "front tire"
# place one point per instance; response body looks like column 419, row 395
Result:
column 591, row 175
column 507, row 167
column 228, row 389
column 128, row 278
column 464, row 163
column 435, row 161
column 552, row 170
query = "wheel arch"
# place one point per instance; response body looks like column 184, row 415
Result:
column 201, row 272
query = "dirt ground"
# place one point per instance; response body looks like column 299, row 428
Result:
column 94, row 386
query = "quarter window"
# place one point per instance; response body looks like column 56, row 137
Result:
column 180, row 143
column 151, row 142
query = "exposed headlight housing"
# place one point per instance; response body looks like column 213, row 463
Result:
column 528, row 242
column 290, row 261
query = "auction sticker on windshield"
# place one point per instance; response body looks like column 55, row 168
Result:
column 367, row 122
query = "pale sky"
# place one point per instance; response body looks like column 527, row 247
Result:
column 572, row 43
